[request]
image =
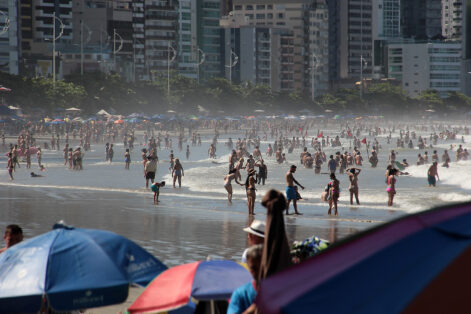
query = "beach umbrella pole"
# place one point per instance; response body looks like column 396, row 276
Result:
column 213, row 310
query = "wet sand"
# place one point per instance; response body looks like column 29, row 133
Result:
column 172, row 233
column 176, row 236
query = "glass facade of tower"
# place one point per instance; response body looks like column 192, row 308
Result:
column 391, row 18
column 209, row 37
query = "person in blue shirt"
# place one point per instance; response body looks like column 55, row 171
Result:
column 243, row 298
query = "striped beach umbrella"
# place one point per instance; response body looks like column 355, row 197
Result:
column 415, row 264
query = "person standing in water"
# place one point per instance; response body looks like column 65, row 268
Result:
column 177, row 173
column 66, row 153
column 110, row 153
column 127, row 159
column 262, row 171
column 10, row 165
column 334, row 194
column 228, row 183
column 391, row 189
column 39, row 156
column 250, row 191
column 353, row 188
column 150, row 170
column 290, row 191
column 432, row 173
column 187, row 152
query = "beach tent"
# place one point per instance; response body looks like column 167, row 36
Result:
column 102, row 112
column 73, row 109
column 415, row 264
column 73, row 269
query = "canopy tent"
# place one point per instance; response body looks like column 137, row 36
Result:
column 102, row 112
column 73, row 109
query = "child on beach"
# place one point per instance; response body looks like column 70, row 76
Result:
column 155, row 187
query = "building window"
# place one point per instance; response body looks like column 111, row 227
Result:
column 249, row 7
column 270, row 6
column 280, row 15
column 238, row 7
column 269, row 16
column 260, row 16
column 260, row 7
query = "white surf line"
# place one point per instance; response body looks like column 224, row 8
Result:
column 116, row 190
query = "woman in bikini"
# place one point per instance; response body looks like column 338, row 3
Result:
column 391, row 189
column 353, row 188
column 250, row 190
column 127, row 159
column 177, row 172
column 144, row 159
column 228, row 185
column 334, row 193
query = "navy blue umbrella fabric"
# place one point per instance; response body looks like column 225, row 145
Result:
column 416, row 264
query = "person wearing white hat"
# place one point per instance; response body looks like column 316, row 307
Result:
column 255, row 234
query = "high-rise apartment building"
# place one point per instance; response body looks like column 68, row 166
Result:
column 423, row 66
column 386, row 19
column 318, row 48
column 295, row 16
column 119, row 28
column 9, row 50
column 265, row 56
column 188, row 54
column 160, row 35
column 334, row 40
column 355, row 40
column 466, row 48
column 199, row 38
column 421, row 19
column 452, row 19
column 37, row 25
column 208, row 36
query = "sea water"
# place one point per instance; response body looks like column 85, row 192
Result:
column 196, row 221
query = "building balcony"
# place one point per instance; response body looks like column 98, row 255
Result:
column 161, row 17
column 160, row 7
column 158, row 37
column 164, row 28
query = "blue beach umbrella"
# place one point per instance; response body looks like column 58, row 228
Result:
column 72, row 269
column 134, row 120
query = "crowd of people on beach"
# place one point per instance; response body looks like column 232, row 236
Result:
column 246, row 156
column 247, row 167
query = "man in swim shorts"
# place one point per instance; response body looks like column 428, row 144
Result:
column 150, row 170
column 432, row 173
column 290, row 191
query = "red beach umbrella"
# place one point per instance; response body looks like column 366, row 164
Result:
column 203, row 281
